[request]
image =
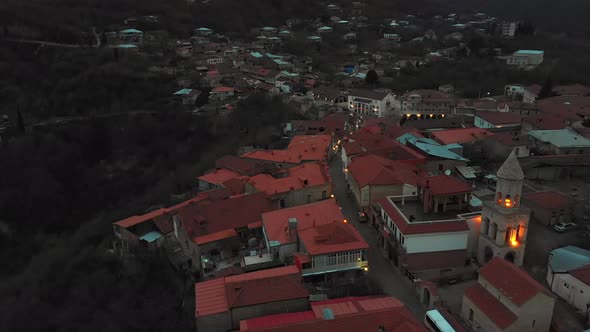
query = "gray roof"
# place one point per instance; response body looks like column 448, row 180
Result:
column 511, row 170
column 369, row 94
column 568, row 258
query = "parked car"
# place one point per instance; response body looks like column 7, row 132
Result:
column 563, row 227
column 362, row 217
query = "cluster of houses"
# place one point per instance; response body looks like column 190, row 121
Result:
column 267, row 239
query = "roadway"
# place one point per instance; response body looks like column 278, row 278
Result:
column 381, row 270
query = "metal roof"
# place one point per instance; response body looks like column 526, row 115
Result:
column 151, row 236
column 561, row 138
column 568, row 258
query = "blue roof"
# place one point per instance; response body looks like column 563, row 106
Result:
column 131, row 31
column 183, row 92
column 127, row 46
column 256, row 54
column 314, row 37
column 325, row 28
column 438, row 151
column 268, row 28
column 203, row 29
column 286, row 73
column 568, row 258
column 284, row 32
column 475, row 202
column 274, row 56
column 281, row 62
column 151, row 236
column 413, row 139
column 536, row 52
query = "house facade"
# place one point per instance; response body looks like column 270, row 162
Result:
column 568, row 275
column 506, row 298
column 424, row 102
column 375, row 103
column 561, row 141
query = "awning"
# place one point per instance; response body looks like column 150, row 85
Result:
column 151, row 236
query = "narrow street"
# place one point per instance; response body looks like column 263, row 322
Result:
column 381, row 271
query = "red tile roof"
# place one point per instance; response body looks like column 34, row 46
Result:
column 418, row 227
column 500, row 118
column 301, row 148
column 435, row 260
column 225, row 214
column 572, row 90
column 331, row 238
column 519, row 288
column 218, row 176
column 463, row 135
column 376, row 170
column 242, row 165
column 305, row 175
column 236, row 186
column 352, row 148
column 548, row 200
column 132, row 221
column 276, row 223
column 582, row 273
column 446, row 185
column 223, row 89
column 428, row 95
column 497, row 312
column 365, row 314
column 220, row 295
column 213, row 237
column 210, row 297
column 547, row 121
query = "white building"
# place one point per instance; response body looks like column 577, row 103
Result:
column 517, row 91
column 371, row 102
column 424, row 102
column 568, row 275
column 509, row 29
column 525, row 59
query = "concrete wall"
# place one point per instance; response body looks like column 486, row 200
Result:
column 300, row 196
column 535, row 315
column 435, row 242
column 294, row 305
column 480, row 321
column 214, row 323
column 571, row 289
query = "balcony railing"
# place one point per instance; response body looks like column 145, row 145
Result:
column 360, row 265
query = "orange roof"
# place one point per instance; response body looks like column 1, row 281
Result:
column 223, row 89
column 220, row 295
column 219, row 176
column 446, row 185
column 495, row 310
column 308, row 174
column 376, row 170
column 279, row 156
column 310, row 147
column 225, row 234
column 223, row 214
column 132, row 221
column 210, row 297
column 276, row 223
column 360, row 314
column 301, row 148
column 330, row 238
column 519, row 288
column 462, row 135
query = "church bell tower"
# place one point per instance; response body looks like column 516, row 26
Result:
column 505, row 223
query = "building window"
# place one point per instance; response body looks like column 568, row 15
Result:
column 403, row 239
column 308, row 198
column 471, row 315
column 566, row 285
column 324, row 194
column 533, row 323
column 517, row 151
